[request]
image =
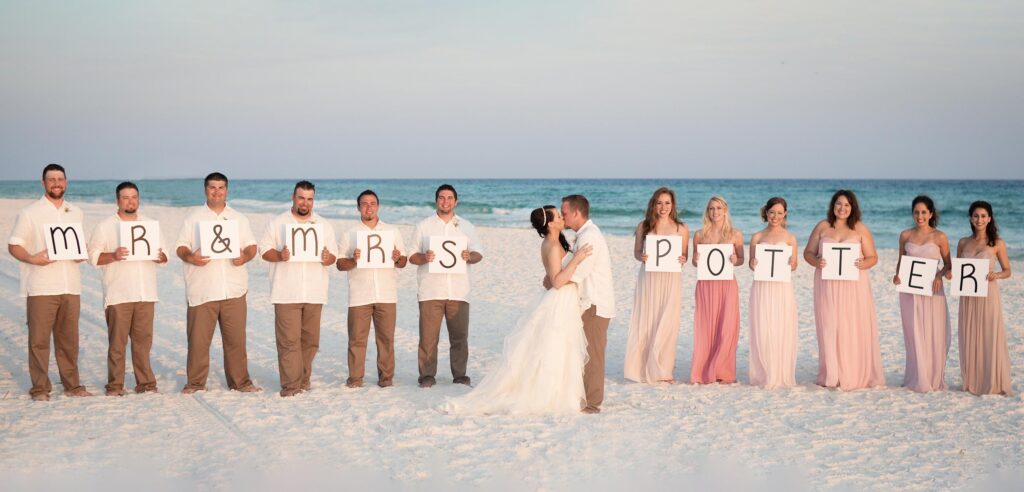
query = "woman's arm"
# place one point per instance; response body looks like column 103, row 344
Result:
column 638, row 244
column 811, row 249
column 564, row 276
column 868, row 255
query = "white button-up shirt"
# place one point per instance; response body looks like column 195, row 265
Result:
column 123, row 281
column 59, row 277
column 298, row 282
column 371, row 285
column 218, row 279
column 436, row 286
column 594, row 274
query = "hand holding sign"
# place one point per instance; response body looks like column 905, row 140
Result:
column 713, row 261
column 969, row 277
column 65, row 241
column 448, row 257
column 772, row 262
column 840, row 261
column 219, row 239
column 916, row 275
column 140, row 239
column 373, row 247
column 663, row 253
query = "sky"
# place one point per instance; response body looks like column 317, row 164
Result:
column 513, row 89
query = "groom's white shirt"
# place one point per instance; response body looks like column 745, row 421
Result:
column 594, row 274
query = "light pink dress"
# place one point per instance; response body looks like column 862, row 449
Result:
column 773, row 328
column 653, row 327
column 844, row 314
column 925, row 331
column 716, row 329
column 984, row 357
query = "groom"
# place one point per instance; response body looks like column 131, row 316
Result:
column 594, row 278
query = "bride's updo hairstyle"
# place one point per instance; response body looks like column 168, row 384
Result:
column 540, row 217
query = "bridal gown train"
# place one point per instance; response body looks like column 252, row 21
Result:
column 541, row 369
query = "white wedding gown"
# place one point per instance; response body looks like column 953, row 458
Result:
column 541, row 370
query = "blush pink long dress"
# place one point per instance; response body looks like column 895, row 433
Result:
column 984, row 357
column 716, row 329
column 773, row 329
column 925, row 331
column 847, row 324
column 654, row 327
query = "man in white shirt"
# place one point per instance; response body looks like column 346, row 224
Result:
column 216, row 291
column 372, row 295
column 443, row 295
column 52, row 288
column 597, row 297
column 129, row 294
column 298, row 289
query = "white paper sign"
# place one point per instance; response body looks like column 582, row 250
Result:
column 916, row 275
column 65, row 241
column 773, row 262
column 713, row 261
column 219, row 239
column 839, row 261
column 375, row 249
column 448, row 254
column 141, row 238
column 305, row 242
column 969, row 277
column 663, row 253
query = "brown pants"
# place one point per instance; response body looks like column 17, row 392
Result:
column 134, row 320
column 595, row 328
column 297, row 327
column 201, row 322
column 456, row 313
column 56, row 315
column 359, row 317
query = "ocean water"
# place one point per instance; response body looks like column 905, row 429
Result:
column 616, row 205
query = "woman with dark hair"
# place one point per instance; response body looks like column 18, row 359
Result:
column 844, row 311
column 925, row 318
column 773, row 324
column 541, row 368
column 716, row 311
column 657, row 305
column 984, row 357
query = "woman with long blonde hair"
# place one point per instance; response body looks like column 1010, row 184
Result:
column 716, row 314
column 657, row 305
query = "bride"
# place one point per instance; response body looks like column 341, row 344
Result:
column 541, row 369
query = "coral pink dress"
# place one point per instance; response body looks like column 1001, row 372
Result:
column 925, row 331
column 984, row 357
column 844, row 314
column 716, row 329
column 773, row 328
column 654, row 327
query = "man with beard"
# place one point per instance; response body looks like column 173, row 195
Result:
column 52, row 288
column 129, row 294
column 372, row 295
column 298, row 290
column 216, row 290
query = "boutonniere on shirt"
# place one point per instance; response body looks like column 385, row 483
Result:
column 67, row 209
column 455, row 223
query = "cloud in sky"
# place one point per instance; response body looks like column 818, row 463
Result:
column 415, row 89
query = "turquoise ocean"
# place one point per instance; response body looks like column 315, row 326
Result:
column 616, row 204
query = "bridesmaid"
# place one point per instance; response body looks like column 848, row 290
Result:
column 844, row 311
column 984, row 358
column 654, row 326
column 773, row 308
column 716, row 316
column 925, row 319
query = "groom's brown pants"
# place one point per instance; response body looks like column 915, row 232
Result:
column 595, row 328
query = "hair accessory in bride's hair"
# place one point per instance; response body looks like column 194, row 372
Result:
column 544, row 212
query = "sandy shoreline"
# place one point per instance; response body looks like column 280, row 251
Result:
column 880, row 438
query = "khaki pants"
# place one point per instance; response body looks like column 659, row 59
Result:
column 56, row 315
column 201, row 322
column 383, row 317
column 595, row 328
column 297, row 328
column 130, row 320
column 456, row 313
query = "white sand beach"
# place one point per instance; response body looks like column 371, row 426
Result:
column 647, row 436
